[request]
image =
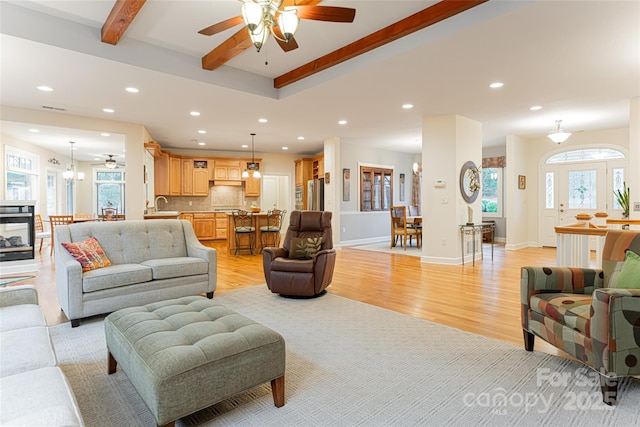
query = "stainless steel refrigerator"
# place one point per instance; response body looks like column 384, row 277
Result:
column 315, row 194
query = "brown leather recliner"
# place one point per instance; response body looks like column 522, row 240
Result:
column 301, row 277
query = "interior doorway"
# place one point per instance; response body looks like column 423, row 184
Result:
column 276, row 193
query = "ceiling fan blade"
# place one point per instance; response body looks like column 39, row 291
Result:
column 230, row 48
column 284, row 45
column 221, row 26
column 327, row 13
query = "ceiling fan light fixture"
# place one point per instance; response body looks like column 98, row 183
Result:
column 110, row 163
column 559, row 135
column 288, row 22
column 252, row 15
column 259, row 36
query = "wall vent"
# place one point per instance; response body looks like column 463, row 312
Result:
column 48, row 107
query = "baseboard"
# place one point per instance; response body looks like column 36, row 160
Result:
column 515, row 247
column 369, row 241
column 441, row 260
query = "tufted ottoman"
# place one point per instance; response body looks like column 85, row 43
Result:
column 186, row 354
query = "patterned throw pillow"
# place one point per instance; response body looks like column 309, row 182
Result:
column 88, row 253
column 629, row 276
column 304, row 248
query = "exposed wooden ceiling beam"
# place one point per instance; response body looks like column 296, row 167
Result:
column 426, row 17
column 121, row 16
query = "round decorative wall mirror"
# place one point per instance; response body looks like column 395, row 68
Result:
column 469, row 182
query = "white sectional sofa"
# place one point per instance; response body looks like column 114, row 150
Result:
column 33, row 389
column 151, row 261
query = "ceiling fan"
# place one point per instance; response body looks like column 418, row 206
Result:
column 279, row 18
column 109, row 163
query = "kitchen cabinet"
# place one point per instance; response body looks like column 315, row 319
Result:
column 303, row 171
column 317, row 167
column 227, row 170
column 187, row 216
column 204, row 226
column 222, row 221
column 195, row 177
column 167, row 175
column 252, row 185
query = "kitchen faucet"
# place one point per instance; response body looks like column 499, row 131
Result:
column 155, row 203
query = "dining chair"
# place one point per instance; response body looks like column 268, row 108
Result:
column 399, row 227
column 243, row 226
column 58, row 220
column 270, row 233
column 41, row 233
column 413, row 211
column 110, row 214
column 84, row 216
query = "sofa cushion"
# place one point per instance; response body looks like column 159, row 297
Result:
column 115, row 276
column 629, row 276
column 41, row 397
column 21, row 316
column 168, row 268
column 25, row 350
column 88, row 253
column 571, row 310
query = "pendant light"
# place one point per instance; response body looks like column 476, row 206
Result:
column 70, row 174
column 559, row 135
column 253, row 166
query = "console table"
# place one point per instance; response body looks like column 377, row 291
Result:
column 473, row 230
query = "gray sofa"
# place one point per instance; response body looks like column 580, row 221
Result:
column 33, row 389
column 151, row 260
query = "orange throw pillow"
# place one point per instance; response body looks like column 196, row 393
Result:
column 88, row 253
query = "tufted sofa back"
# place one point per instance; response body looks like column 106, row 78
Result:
column 132, row 241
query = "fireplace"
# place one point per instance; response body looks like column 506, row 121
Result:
column 17, row 232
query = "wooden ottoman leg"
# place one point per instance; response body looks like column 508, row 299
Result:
column 112, row 364
column 277, row 389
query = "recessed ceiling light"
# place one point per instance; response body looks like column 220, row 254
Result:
column 34, row 130
column 536, row 108
column 44, row 88
column 97, row 159
column 407, row 106
column 301, row 138
column 105, row 134
column 263, row 120
column 285, row 148
column 342, row 122
column 202, row 131
column 202, row 143
column 132, row 90
column 244, row 146
column 108, row 110
column 195, row 113
column 496, row 85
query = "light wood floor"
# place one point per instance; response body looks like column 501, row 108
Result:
column 483, row 299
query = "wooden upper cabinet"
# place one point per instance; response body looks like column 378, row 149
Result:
column 175, row 176
column 317, row 167
column 303, row 172
column 200, row 182
column 227, row 170
column 187, row 177
column 252, row 185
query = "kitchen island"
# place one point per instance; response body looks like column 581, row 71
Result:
column 257, row 220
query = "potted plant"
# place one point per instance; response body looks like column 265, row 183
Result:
column 623, row 199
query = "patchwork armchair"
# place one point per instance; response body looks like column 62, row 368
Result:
column 303, row 266
column 587, row 313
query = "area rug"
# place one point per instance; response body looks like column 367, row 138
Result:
column 384, row 247
column 4, row 281
column 353, row 364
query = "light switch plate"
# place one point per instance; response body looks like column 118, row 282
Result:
column 636, row 206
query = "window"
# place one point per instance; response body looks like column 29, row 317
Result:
column 492, row 192
column 582, row 189
column 549, row 183
column 618, row 184
column 376, row 188
column 21, row 175
column 109, row 190
column 585, row 155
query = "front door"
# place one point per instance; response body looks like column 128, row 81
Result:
column 570, row 190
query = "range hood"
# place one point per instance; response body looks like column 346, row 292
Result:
column 228, row 183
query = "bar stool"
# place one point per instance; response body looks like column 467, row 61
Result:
column 243, row 225
column 271, row 231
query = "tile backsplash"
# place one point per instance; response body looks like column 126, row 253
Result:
column 220, row 197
